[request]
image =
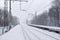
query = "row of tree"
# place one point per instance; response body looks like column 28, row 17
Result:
column 6, row 19
column 51, row 18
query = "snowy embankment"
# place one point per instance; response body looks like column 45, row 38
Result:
column 46, row 27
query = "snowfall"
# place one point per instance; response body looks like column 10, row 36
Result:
column 24, row 32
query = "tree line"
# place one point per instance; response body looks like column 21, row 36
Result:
column 51, row 18
column 6, row 19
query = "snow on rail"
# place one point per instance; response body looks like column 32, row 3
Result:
column 51, row 28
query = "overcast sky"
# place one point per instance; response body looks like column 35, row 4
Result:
column 1, row 4
column 31, row 6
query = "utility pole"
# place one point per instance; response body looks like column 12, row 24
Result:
column 57, row 9
column 5, row 8
column 10, row 9
column 6, row 3
column 10, row 14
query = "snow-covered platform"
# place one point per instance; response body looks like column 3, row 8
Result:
column 25, row 32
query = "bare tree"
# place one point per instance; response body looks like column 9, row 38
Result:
column 53, row 14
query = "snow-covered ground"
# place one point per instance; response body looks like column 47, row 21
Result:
column 24, row 32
